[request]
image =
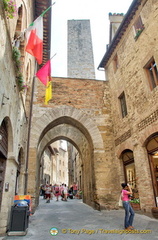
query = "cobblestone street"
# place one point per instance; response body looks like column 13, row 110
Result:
column 75, row 220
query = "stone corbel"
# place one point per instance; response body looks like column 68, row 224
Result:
column 12, row 159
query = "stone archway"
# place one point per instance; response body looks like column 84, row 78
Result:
column 72, row 125
column 84, row 147
column 47, row 116
column 6, row 157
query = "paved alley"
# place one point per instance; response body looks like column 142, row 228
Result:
column 75, row 220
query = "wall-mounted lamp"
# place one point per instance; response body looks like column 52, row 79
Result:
column 155, row 155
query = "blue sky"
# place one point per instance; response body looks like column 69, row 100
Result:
column 98, row 13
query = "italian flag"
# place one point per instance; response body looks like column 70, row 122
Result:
column 34, row 37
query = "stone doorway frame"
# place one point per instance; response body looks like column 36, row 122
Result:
column 51, row 118
column 153, row 141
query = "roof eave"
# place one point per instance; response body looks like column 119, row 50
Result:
column 122, row 28
column 40, row 7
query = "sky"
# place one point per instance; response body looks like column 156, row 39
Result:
column 98, row 13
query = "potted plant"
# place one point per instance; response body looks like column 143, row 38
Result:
column 80, row 194
column 135, row 203
column 154, row 211
column 19, row 76
column 10, row 8
column 138, row 32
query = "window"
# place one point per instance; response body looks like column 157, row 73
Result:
column 138, row 27
column 152, row 73
column 123, row 104
column 115, row 61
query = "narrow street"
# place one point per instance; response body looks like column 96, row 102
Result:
column 75, row 220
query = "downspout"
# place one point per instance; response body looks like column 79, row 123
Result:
column 29, row 130
column 29, row 122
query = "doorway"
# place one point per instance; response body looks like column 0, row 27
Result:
column 3, row 155
column 129, row 171
column 152, row 149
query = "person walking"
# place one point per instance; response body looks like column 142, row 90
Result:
column 75, row 188
column 129, row 212
column 57, row 191
column 48, row 190
column 43, row 190
column 62, row 191
column 65, row 189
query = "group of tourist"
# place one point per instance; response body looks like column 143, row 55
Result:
column 48, row 190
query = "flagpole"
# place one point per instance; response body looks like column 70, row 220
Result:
column 53, row 56
column 47, row 9
column 32, row 23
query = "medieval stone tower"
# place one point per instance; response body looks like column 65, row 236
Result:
column 80, row 53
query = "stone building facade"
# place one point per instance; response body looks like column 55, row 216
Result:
column 17, row 69
column 14, row 107
column 115, row 21
column 131, row 71
column 74, row 166
column 79, row 113
column 54, row 165
column 113, row 124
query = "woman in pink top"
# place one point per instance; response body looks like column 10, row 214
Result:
column 75, row 188
column 129, row 213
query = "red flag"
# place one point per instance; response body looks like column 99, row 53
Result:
column 34, row 35
column 44, row 73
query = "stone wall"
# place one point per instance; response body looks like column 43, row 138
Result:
column 79, row 112
column 13, row 111
column 80, row 50
column 132, row 131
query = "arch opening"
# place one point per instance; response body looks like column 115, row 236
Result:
column 68, row 121
column 77, row 136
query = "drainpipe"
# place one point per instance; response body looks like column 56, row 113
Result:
column 29, row 130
